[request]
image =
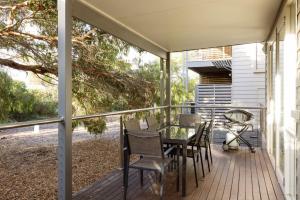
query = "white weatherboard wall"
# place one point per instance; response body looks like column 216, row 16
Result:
column 248, row 76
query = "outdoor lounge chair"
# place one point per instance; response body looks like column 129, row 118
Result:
column 237, row 124
column 152, row 157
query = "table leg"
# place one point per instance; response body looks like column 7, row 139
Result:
column 184, row 154
column 177, row 167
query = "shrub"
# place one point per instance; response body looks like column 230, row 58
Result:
column 19, row 104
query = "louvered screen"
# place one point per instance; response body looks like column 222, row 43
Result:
column 210, row 95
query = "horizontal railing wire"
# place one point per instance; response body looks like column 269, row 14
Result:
column 58, row 120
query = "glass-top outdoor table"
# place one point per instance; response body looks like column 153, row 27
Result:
column 179, row 136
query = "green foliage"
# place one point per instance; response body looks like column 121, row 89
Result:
column 5, row 94
column 151, row 73
column 20, row 104
column 95, row 126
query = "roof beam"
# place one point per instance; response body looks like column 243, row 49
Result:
column 279, row 12
column 99, row 19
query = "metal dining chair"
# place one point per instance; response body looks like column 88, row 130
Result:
column 132, row 124
column 205, row 143
column 152, row 123
column 195, row 150
column 208, row 138
column 152, row 157
column 189, row 120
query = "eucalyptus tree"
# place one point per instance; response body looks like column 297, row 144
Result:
column 102, row 81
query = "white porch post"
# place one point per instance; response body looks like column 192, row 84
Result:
column 162, row 89
column 168, row 88
column 65, row 99
column 297, row 112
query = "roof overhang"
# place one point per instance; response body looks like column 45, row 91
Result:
column 210, row 66
column 173, row 25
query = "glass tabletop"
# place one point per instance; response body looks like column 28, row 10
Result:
column 176, row 134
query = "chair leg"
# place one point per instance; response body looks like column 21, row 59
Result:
column 198, row 154
column 177, row 169
column 141, row 177
column 201, row 159
column 125, row 181
column 211, row 160
column 206, row 153
column 157, row 177
column 195, row 170
column 162, row 184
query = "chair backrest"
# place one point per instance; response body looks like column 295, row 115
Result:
column 208, row 131
column 132, row 125
column 152, row 123
column 238, row 116
column 146, row 144
column 189, row 120
column 200, row 132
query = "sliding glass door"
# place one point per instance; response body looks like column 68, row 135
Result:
column 281, row 97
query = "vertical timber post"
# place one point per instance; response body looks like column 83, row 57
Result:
column 168, row 88
column 65, row 99
column 162, row 90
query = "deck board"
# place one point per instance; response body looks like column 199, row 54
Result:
column 261, row 180
column 248, row 174
column 275, row 184
column 255, row 184
column 270, row 190
column 229, row 178
column 222, row 182
column 234, row 175
column 242, row 179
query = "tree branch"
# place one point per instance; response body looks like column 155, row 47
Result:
column 50, row 39
column 37, row 69
column 19, row 5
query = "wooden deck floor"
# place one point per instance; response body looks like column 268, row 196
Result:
column 235, row 175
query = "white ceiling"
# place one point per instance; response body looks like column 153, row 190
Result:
column 176, row 25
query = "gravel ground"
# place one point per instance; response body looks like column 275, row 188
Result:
column 28, row 161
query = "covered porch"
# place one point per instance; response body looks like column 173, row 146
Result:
column 163, row 27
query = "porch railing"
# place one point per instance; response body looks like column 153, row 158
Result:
column 212, row 109
column 82, row 117
column 161, row 108
column 56, row 120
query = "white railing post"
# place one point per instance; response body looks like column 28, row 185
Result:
column 65, row 99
